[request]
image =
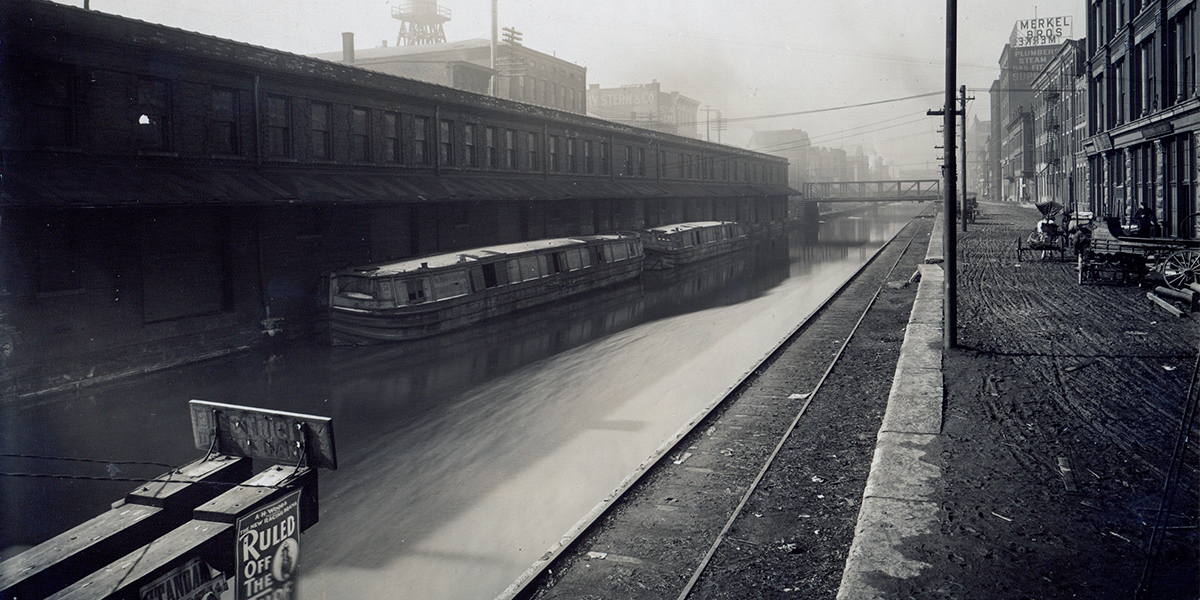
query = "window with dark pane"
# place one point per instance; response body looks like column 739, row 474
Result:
column 278, row 127
column 318, row 131
column 225, row 121
column 360, row 137
column 152, row 105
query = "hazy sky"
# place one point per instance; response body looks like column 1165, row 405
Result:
column 750, row 58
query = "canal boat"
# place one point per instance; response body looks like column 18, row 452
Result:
column 421, row 297
column 670, row 246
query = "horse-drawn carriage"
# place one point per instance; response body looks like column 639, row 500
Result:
column 970, row 208
column 1047, row 238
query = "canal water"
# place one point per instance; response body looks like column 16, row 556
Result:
column 461, row 459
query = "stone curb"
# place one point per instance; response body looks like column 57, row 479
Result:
column 899, row 499
column 934, row 253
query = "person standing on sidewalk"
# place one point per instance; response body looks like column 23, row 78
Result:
column 1144, row 221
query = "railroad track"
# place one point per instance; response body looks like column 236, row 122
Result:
column 779, row 446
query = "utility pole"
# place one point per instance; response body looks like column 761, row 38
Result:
column 707, row 123
column 962, row 95
column 495, row 91
column 950, row 324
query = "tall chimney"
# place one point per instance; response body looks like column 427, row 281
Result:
column 348, row 47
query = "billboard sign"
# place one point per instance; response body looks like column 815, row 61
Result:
column 1041, row 32
column 623, row 103
column 268, row 551
column 261, row 433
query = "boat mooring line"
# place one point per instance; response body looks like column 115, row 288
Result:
column 518, row 586
column 788, row 433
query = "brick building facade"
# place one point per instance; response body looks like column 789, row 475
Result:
column 1144, row 110
column 167, row 196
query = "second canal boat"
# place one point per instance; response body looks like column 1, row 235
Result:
column 670, row 246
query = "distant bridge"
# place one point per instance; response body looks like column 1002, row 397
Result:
column 913, row 190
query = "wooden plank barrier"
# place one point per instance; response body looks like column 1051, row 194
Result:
column 203, row 545
column 149, row 511
column 176, row 538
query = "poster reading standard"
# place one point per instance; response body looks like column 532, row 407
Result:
column 268, row 551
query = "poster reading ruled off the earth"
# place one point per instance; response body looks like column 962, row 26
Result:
column 268, row 551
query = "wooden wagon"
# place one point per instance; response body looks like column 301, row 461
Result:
column 1129, row 259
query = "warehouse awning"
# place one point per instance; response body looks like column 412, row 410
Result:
column 71, row 183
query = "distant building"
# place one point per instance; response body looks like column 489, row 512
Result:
column 792, row 144
column 993, row 180
column 978, row 136
column 1031, row 45
column 530, row 76
column 1144, row 111
column 828, row 164
column 645, row 106
column 858, row 166
column 1059, row 107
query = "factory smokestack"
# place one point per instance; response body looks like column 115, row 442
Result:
column 348, row 47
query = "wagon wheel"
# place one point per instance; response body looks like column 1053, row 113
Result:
column 1181, row 268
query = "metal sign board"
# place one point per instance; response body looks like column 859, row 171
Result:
column 268, row 551
column 1050, row 31
column 193, row 580
column 261, row 433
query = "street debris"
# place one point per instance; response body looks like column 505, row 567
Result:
column 1068, row 476
column 1165, row 304
column 991, row 386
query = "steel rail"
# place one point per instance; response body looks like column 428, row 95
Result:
column 787, row 434
column 518, row 589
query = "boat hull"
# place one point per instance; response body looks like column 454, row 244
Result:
column 350, row 326
column 673, row 246
column 662, row 259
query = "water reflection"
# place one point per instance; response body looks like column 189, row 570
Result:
column 467, row 453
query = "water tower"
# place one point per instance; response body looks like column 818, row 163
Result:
column 421, row 22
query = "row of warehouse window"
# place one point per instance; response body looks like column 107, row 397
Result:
column 310, row 130
column 409, row 139
column 1157, row 71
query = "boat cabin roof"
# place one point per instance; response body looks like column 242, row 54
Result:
column 677, row 227
column 410, row 266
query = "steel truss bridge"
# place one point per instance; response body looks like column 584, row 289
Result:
column 913, row 190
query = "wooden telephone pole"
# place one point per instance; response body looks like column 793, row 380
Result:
column 950, row 321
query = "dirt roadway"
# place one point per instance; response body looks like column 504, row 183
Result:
column 1050, row 375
